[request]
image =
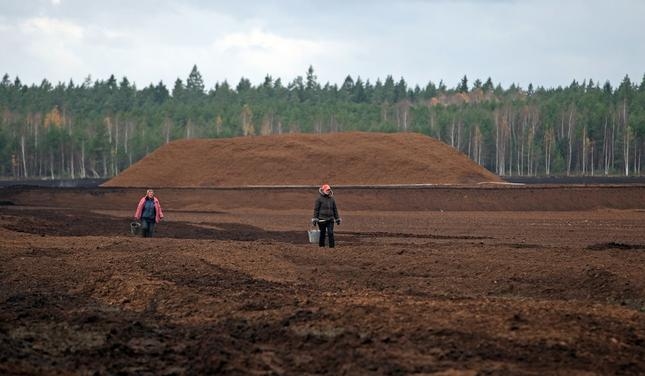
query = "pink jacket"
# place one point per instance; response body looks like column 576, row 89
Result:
column 159, row 213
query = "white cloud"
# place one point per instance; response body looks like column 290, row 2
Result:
column 53, row 43
column 50, row 27
column 259, row 41
column 256, row 53
column 544, row 42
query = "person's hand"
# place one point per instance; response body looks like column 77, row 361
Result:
column 338, row 221
column 314, row 221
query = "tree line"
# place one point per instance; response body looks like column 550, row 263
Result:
column 100, row 127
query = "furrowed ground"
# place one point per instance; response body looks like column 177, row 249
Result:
column 451, row 280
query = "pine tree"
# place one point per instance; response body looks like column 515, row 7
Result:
column 195, row 83
column 463, row 85
column 178, row 90
column 488, row 85
column 312, row 83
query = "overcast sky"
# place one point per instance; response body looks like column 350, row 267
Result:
column 544, row 42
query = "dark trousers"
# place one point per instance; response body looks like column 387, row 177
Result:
column 147, row 227
column 326, row 229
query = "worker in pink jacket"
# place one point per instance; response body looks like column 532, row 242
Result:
column 149, row 213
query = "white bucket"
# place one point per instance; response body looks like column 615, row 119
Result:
column 314, row 235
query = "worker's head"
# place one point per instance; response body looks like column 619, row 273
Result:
column 150, row 193
column 325, row 188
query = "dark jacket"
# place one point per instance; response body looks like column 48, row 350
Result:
column 325, row 207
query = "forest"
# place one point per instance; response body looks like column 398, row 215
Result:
column 98, row 128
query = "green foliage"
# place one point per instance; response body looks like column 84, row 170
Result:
column 463, row 85
column 195, row 83
column 99, row 128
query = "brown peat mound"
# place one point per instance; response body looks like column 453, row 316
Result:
column 355, row 158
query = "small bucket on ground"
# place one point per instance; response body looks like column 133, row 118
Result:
column 314, row 235
column 135, row 228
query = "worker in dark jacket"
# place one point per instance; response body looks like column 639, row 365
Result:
column 325, row 214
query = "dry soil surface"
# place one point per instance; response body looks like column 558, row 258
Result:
column 445, row 281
